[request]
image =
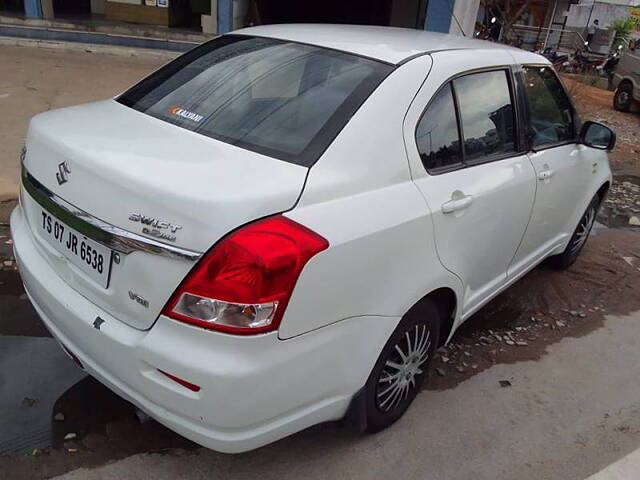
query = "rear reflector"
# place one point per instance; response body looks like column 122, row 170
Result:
column 184, row 383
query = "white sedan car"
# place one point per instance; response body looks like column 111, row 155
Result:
column 279, row 227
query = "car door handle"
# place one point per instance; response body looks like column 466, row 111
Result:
column 457, row 204
column 545, row 175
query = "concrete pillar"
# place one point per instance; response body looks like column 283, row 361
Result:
column 32, row 9
column 47, row 8
column 240, row 11
column 466, row 11
column 225, row 16
column 210, row 22
column 438, row 17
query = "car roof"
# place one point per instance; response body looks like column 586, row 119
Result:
column 389, row 44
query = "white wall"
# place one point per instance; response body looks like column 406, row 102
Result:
column 604, row 12
column 209, row 23
column 240, row 10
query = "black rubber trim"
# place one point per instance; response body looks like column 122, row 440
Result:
column 355, row 420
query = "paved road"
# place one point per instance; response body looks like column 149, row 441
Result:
column 34, row 372
column 624, row 469
column 566, row 416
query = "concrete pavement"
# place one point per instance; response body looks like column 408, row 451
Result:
column 624, row 469
column 566, row 416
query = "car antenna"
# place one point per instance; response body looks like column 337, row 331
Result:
column 457, row 22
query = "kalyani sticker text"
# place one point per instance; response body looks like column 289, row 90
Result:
column 181, row 112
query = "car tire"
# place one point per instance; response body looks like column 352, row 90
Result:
column 623, row 98
column 579, row 237
column 402, row 366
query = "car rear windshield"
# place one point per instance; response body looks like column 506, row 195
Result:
column 283, row 99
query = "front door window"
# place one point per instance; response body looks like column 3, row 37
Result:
column 550, row 113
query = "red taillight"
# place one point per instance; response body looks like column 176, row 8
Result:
column 244, row 283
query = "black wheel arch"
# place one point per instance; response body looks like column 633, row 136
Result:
column 603, row 190
column 355, row 419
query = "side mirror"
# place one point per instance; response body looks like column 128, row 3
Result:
column 596, row 135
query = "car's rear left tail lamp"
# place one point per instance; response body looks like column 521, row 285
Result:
column 244, row 284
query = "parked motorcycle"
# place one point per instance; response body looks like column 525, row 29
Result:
column 581, row 62
column 554, row 57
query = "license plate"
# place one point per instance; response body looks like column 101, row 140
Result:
column 88, row 255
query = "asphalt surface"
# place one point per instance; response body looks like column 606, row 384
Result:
column 34, row 371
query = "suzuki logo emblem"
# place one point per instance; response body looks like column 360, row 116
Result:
column 63, row 172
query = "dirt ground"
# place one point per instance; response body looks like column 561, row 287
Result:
column 34, row 80
column 597, row 104
column 546, row 306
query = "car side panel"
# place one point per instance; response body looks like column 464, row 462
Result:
column 360, row 197
column 628, row 69
column 578, row 172
column 503, row 193
column 382, row 259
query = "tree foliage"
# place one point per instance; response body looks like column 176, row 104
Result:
column 623, row 28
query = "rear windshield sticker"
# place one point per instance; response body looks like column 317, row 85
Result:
column 181, row 112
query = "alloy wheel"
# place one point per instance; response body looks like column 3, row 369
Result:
column 623, row 98
column 398, row 377
column 582, row 232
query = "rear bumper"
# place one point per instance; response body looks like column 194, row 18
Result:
column 254, row 390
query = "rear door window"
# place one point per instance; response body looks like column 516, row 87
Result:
column 469, row 120
column 486, row 115
column 282, row 99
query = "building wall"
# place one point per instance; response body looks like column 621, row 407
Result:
column 631, row 3
column 436, row 15
column 605, row 12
